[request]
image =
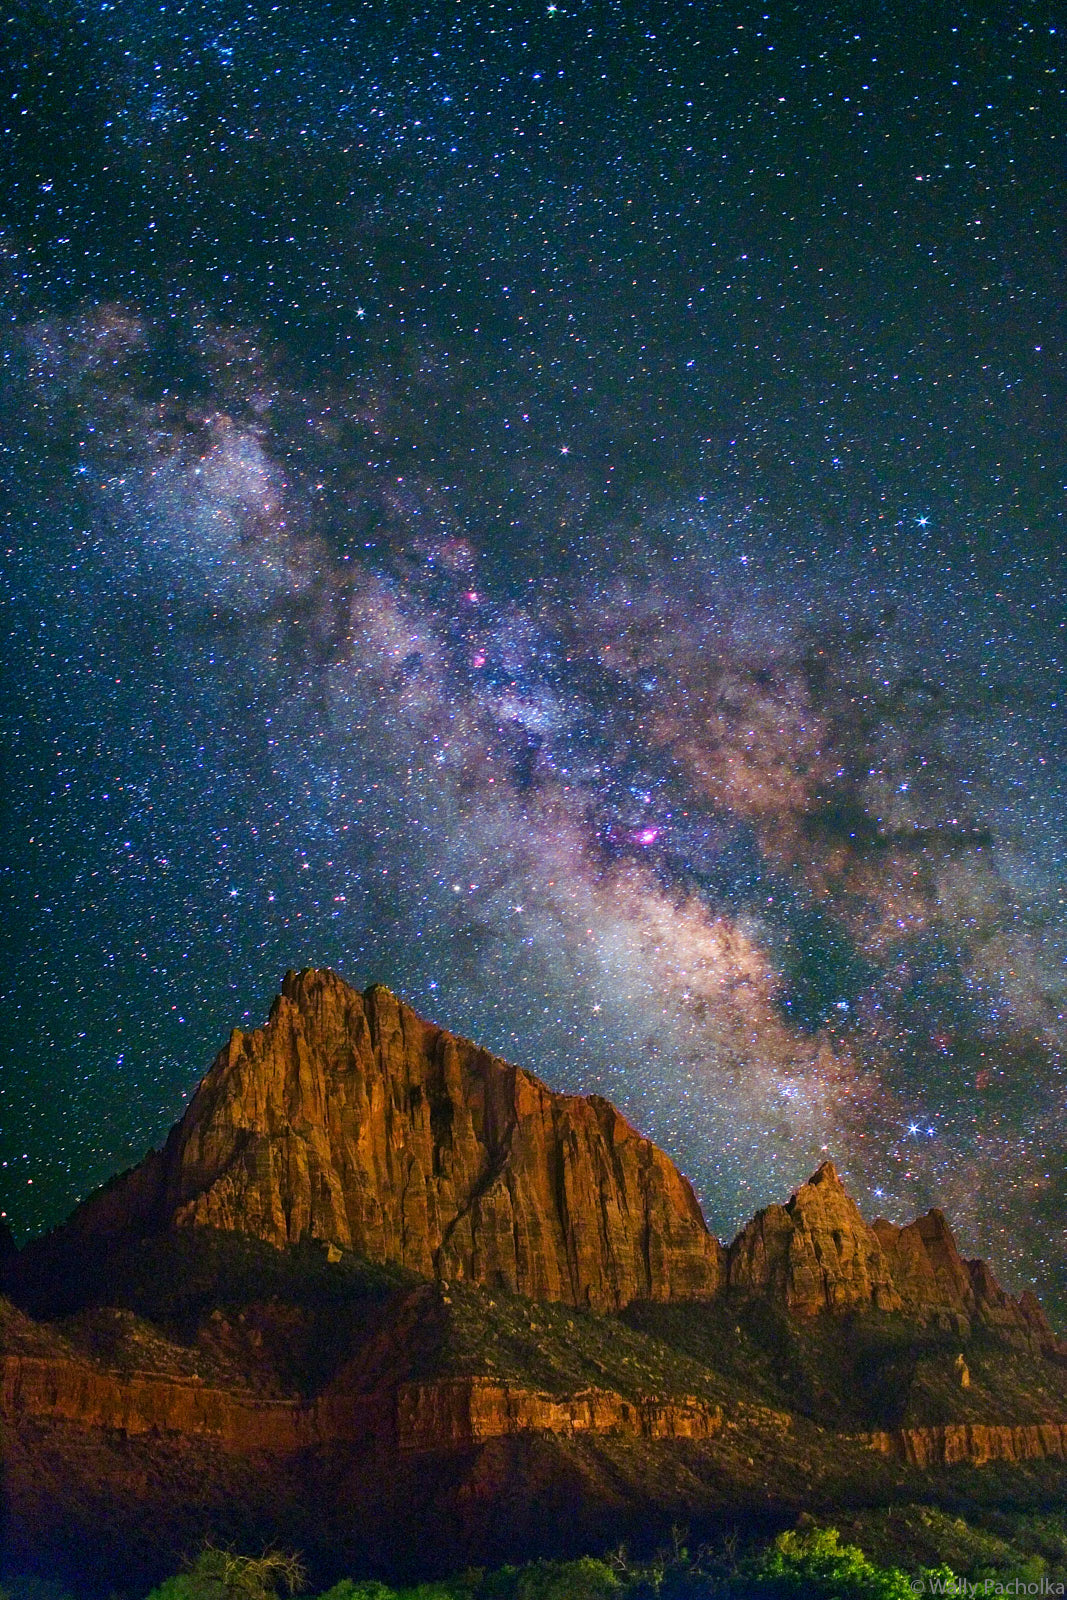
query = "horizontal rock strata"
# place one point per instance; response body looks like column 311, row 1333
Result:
column 463, row 1411
column 146, row 1403
column 445, row 1415
column 975, row 1442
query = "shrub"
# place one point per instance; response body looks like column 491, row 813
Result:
column 349, row 1589
column 815, row 1565
column 585, row 1579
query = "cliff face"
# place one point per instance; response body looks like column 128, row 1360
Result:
column 933, row 1279
column 976, row 1442
column 446, row 1414
column 300, row 1394
column 349, row 1119
column 815, row 1254
column 818, row 1254
column 458, row 1412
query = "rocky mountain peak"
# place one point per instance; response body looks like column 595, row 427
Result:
column 815, row 1253
column 825, row 1174
column 349, row 1118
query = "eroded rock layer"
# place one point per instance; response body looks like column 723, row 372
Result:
column 348, row 1119
column 815, row 1254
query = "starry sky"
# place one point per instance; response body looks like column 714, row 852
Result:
column 558, row 508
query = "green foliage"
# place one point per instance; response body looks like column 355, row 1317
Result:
column 183, row 1586
column 805, row 1564
column 452, row 1590
column 347, row 1589
column 585, row 1579
column 815, row 1565
column 371, row 1589
column 991, row 1542
column 219, row 1574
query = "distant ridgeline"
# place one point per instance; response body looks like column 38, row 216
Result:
column 377, row 1277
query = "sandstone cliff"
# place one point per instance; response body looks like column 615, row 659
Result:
column 351, row 1120
column 446, row 1414
column 307, row 1396
column 348, row 1119
column 816, row 1253
column 453, row 1413
column 976, row 1442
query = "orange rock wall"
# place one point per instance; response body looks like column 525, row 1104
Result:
column 818, row 1254
column 976, row 1442
column 349, row 1119
column 465, row 1411
column 142, row 1403
column 448, row 1414
column 815, row 1254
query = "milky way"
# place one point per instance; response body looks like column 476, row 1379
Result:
column 560, row 512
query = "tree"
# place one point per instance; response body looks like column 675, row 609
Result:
column 219, row 1574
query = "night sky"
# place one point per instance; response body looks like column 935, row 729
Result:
column 558, row 509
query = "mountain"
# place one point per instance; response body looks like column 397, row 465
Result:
column 386, row 1297
column 351, row 1120
column 816, row 1253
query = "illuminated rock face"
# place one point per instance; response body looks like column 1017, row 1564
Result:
column 932, row 1278
column 126, row 1435
column 351, row 1120
column 816, row 1253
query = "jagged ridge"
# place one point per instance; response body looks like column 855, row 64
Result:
column 326, row 1405
column 816, row 1253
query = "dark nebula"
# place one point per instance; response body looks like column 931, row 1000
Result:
column 559, row 509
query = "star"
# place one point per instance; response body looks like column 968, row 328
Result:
column 328, row 638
